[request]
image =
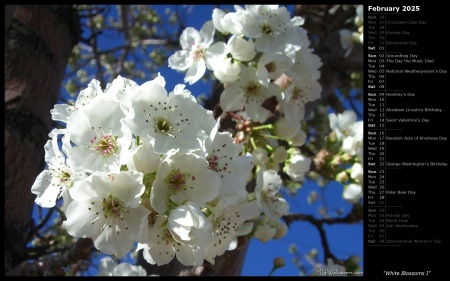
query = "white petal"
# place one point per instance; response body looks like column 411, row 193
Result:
column 232, row 99
column 180, row 60
column 272, row 181
column 216, row 53
column 105, row 113
column 161, row 254
column 136, row 219
column 352, row 193
column 187, row 255
column 78, row 128
column 60, row 112
column 189, row 37
column 281, row 229
column 297, row 21
column 298, row 139
column 264, row 233
column 79, row 218
column 207, row 33
column 231, row 22
column 110, row 243
column 217, row 15
column 256, row 112
column 106, row 266
column 241, row 49
column 85, row 189
column 46, row 192
column 195, row 72
column 160, row 193
column 128, row 187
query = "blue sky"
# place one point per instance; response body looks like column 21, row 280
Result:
column 344, row 240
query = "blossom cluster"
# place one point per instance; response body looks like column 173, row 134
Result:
column 138, row 165
column 267, row 54
column 349, row 38
column 350, row 133
column 261, row 54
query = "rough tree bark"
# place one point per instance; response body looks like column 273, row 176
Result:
column 38, row 43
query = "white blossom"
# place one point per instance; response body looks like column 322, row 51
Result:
column 228, row 22
column 349, row 131
column 298, row 139
column 241, row 49
column 357, row 172
column 268, row 184
column 53, row 182
column 143, row 158
column 297, row 166
column 168, row 121
column 189, row 225
column 123, row 89
column 99, row 136
column 300, row 92
column 260, row 156
column 306, row 64
column 62, row 112
column 272, row 27
column 353, row 193
column 224, row 59
column 107, row 208
column 226, row 221
column 280, row 154
column 194, row 44
column 342, row 123
column 108, row 267
column 141, row 165
column 183, row 177
column 160, row 248
column 248, row 92
column 224, row 157
column 280, row 230
column 286, row 129
column 265, row 229
column 271, row 66
column 225, row 68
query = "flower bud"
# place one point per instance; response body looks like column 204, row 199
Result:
column 278, row 262
column 342, row 177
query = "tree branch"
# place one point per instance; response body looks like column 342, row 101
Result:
column 53, row 266
column 123, row 11
column 94, row 44
column 36, row 229
column 355, row 216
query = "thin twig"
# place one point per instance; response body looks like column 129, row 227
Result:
column 53, row 265
column 41, row 224
column 354, row 216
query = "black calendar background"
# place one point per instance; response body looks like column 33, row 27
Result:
column 428, row 207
